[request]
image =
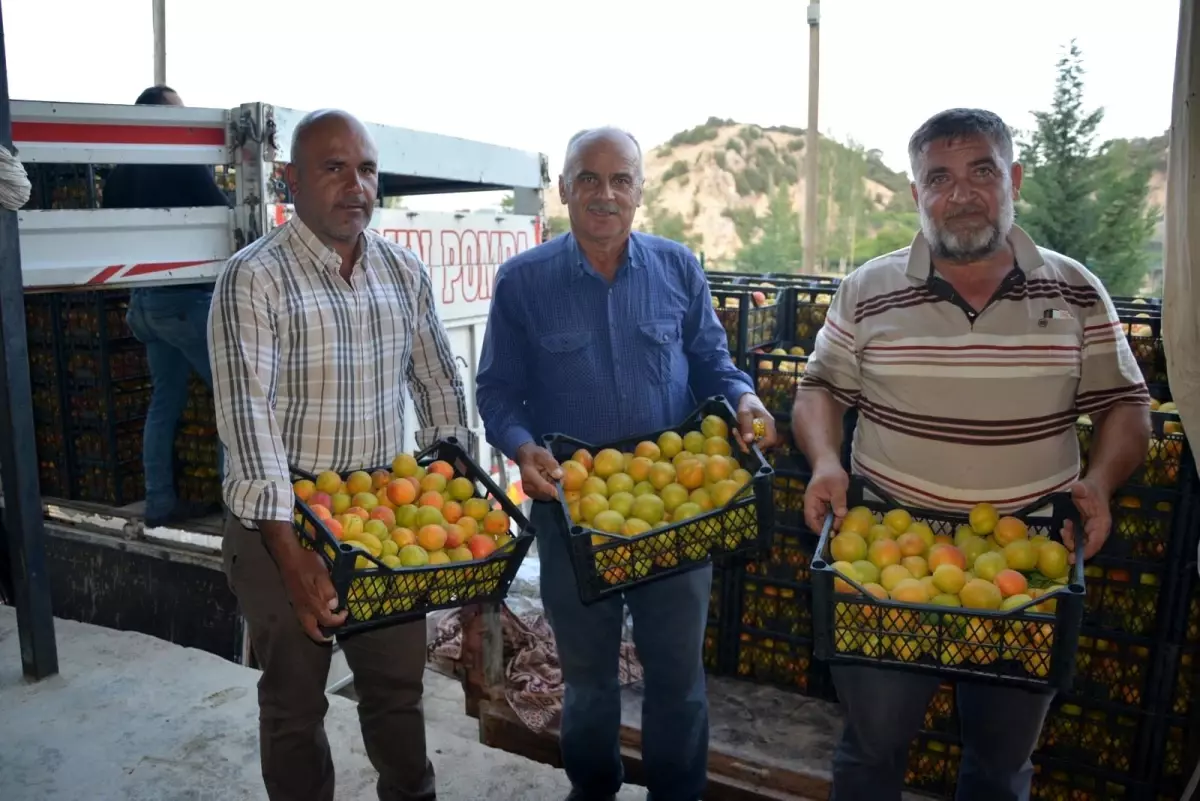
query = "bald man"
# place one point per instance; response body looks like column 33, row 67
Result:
column 315, row 329
column 603, row 334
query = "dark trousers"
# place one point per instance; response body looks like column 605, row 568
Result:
column 669, row 617
column 388, row 666
column 883, row 711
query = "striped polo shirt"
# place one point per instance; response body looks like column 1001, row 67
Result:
column 958, row 407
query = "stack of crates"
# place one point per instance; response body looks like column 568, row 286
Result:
column 91, row 389
column 1129, row 727
column 197, row 446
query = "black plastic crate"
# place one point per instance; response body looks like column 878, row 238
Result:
column 749, row 318
column 777, row 374
column 1168, row 461
column 95, row 319
column 784, row 662
column 1112, row 738
column 111, row 485
column 933, row 762
column 941, row 716
column 1177, row 756
column 775, row 608
column 1125, row 596
column 1020, row 647
column 1059, row 780
column 102, row 444
column 810, row 305
column 718, row 655
column 1115, row 668
column 375, row 594
column 1144, row 522
column 1144, row 334
column 607, row 563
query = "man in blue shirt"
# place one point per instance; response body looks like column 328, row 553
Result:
column 603, row 334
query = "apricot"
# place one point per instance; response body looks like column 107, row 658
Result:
column 431, row 537
column 401, row 492
column 574, row 474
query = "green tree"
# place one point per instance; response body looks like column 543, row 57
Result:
column 778, row 247
column 1089, row 205
column 507, row 203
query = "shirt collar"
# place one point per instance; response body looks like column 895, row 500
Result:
column 326, row 257
column 634, row 258
column 1025, row 254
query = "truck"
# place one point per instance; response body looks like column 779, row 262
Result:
column 106, row 566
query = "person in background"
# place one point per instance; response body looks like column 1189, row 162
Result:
column 169, row 320
column 316, row 330
column 603, row 334
column 970, row 355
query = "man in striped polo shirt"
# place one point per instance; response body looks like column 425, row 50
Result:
column 969, row 355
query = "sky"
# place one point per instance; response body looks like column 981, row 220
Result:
column 529, row 73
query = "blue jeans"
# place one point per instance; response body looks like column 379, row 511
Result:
column 172, row 322
column 884, row 709
column 669, row 616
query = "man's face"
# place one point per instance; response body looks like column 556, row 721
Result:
column 336, row 181
column 965, row 192
column 601, row 186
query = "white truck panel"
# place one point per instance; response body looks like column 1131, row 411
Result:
column 403, row 151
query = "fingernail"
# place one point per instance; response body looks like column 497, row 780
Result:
column 332, row 604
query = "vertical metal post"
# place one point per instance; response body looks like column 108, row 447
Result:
column 18, row 448
column 811, row 139
column 160, row 42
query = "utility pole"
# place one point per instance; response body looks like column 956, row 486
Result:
column 160, row 42
column 22, row 514
column 810, row 139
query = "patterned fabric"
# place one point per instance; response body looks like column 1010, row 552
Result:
column 568, row 352
column 533, row 683
column 958, row 407
column 309, row 370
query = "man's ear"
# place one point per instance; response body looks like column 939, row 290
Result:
column 562, row 190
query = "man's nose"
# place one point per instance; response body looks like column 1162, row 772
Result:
column 606, row 190
column 961, row 192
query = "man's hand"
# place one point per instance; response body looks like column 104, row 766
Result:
column 309, row 588
column 750, row 409
column 826, row 490
column 539, row 471
column 1092, row 501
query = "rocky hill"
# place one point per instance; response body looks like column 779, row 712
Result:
column 713, row 187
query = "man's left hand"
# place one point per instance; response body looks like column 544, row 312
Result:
column 750, row 409
column 1093, row 504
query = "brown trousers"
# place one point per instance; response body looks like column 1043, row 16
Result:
column 388, row 666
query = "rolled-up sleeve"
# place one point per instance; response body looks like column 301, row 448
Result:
column 710, row 365
column 434, row 381
column 503, row 376
column 1109, row 374
column 833, row 365
column 244, row 357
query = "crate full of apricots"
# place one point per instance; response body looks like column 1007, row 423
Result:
column 432, row 532
column 983, row 596
column 659, row 504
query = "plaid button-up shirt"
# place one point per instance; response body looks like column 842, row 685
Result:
column 309, row 370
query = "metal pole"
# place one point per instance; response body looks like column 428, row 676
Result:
column 810, row 139
column 18, row 448
column 160, row 42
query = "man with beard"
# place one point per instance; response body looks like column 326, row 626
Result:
column 969, row 356
column 603, row 334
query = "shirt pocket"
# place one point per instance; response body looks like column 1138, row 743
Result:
column 660, row 348
column 1057, row 347
column 567, row 360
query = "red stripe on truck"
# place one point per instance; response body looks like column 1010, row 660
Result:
column 99, row 134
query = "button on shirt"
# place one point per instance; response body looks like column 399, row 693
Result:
column 566, row 351
column 309, row 370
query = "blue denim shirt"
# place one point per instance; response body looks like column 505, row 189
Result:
column 568, row 352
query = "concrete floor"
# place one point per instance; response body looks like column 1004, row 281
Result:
column 134, row 718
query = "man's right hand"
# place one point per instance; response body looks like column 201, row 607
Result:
column 305, row 579
column 826, row 489
column 539, row 471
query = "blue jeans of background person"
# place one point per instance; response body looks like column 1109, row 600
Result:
column 669, row 617
column 172, row 322
column 884, row 709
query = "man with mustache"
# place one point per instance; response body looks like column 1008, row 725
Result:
column 603, row 334
column 969, row 355
column 315, row 330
